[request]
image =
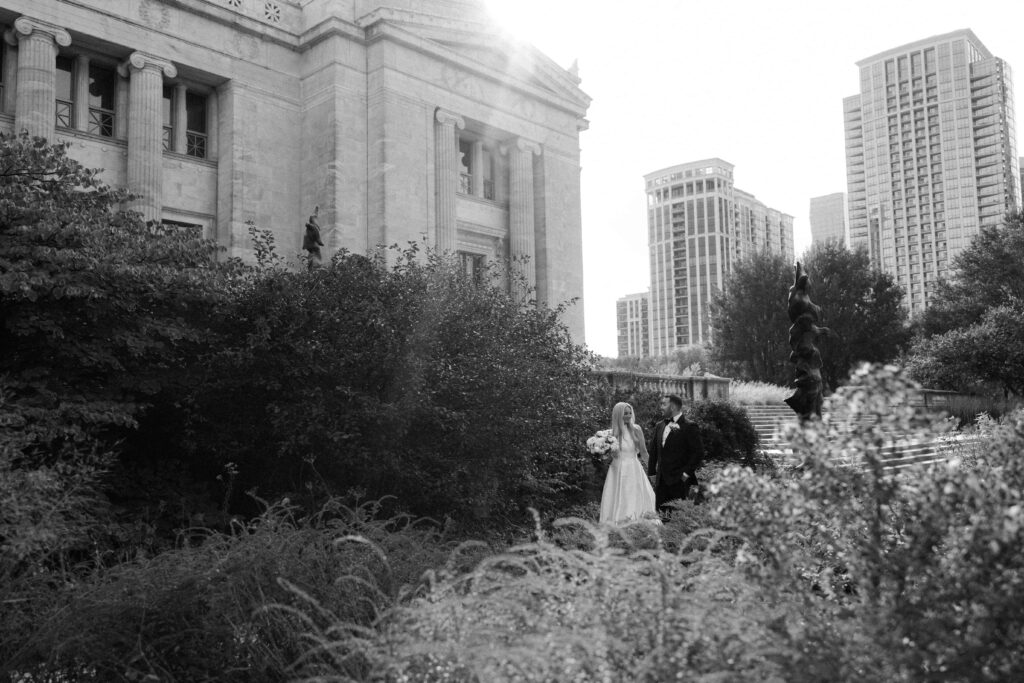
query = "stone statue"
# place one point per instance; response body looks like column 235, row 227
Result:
column 311, row 241
column 803, row 334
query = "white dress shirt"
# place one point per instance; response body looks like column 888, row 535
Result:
column 664, row 434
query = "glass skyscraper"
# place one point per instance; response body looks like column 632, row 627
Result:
column 930, row 156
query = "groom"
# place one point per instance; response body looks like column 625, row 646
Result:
column 675, row 453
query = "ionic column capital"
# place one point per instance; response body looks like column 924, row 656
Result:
column 27, row 26
column 521, row 145
column 447, row 118
column 137, row 61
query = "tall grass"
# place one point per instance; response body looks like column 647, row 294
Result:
column 757, row 393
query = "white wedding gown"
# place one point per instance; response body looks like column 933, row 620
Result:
column 627, row 494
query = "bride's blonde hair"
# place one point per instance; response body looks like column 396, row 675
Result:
column 618, row 423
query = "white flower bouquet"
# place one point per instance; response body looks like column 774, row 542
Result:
column 603, row 443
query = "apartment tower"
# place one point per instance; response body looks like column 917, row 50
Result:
column 930, row 156
column 828, row 219
column 633, row 325
column 699, row 225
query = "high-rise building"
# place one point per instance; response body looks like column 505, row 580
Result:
column 633, row 324
column 828, row 219
column 699, row 224
column 403, row 120
column 930, row 156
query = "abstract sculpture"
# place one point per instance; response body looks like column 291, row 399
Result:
column 803, row 334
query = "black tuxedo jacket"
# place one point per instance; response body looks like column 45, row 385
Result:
column 681, row 454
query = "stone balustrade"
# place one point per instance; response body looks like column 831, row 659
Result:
column 690, row 388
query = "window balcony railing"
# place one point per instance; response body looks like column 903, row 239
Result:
column 489, row 189
column 195, row 145
column 101, row 122
column 65, row 114
column 465, row 183
column 168, row 134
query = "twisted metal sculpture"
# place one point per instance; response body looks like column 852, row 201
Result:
column 803, row 333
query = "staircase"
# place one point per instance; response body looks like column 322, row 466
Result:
column 769, row 419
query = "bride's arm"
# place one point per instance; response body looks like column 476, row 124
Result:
column 639, row 438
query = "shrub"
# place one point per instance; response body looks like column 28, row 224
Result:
column 726, row 430
column 918, row 562
column 409, row 380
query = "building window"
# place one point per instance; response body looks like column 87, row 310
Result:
column 195, row 128
column 102, row 91
column 65, row 92
column 466, row 167
column 472, row 266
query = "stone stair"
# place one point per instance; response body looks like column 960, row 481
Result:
column 769, row 419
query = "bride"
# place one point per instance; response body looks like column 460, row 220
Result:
column 627, row 492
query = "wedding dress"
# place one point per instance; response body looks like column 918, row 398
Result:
column 627, row 494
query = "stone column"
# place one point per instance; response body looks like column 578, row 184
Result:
column 212, row 122
column 81, row 89
column 121, row 108
column 10, row 75
column 446, row 175
column 145, row 131
column 520, row 213
column 478, row 169
column 35, row 106
column 179, row 120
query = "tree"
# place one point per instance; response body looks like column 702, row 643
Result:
column 749, row 322
column 970, row 337
column 987, row 274
column 861, row 306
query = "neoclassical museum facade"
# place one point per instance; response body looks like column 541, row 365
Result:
column 403, row 120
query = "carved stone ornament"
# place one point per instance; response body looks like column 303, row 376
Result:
column 26, row 26
column 445, row 117
column 137, row 61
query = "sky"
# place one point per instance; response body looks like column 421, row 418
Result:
column 758, row 84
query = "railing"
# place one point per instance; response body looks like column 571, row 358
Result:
column 101, row 122
column 168, row 137
column 691, row 388
column 65, row 114
column 465, row 183
column 489, row 189
column 195, row 145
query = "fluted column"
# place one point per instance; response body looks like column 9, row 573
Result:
column 446, row 175
column 478, row 169
column 180, row 120
column 145, row 131
column 10, row 61
column 520, row 213
column 81, row 90
column 38, row 42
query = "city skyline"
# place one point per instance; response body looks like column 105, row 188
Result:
column 761, row 85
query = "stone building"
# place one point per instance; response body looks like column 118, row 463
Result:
column 401, row 119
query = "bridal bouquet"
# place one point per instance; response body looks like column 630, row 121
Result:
column 602, row 443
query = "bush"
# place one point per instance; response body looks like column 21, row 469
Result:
column 918, row 562
column 726, row 430
column 409, row 380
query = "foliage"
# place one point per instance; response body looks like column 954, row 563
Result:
column 749, row 321
column 726, row 431
column 860, row 305
column 100, row 314
column 988, row 352
column 989, row 273
column 969, row 338
column 689, row 360
column 201, row 611
column 922, row 564
column 757, row 393
column 409, row 380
